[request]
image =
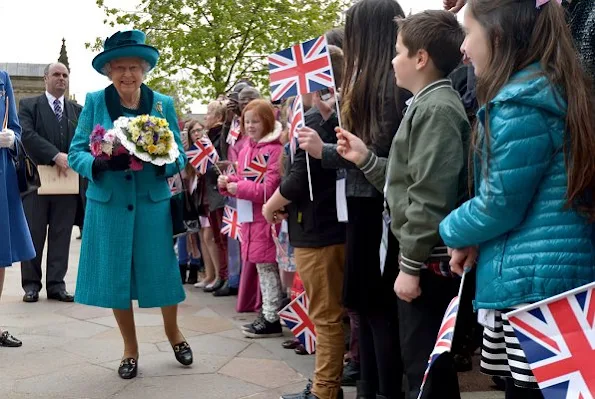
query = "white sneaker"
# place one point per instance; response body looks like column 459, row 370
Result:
column 200, row 284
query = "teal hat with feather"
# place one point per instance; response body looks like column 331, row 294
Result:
column 128, row 44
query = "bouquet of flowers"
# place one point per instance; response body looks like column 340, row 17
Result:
column 148, row 138
column 104, row 144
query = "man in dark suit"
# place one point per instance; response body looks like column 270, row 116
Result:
column 48, row 123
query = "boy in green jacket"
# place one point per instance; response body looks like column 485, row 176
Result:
column 423, row 180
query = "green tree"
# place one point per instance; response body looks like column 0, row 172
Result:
column 207, row 45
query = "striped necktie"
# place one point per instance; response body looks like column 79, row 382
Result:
column 58, row 109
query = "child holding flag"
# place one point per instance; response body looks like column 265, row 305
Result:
column 531, row 219
column 318, row 239
column 424, row 178
column 257, row 179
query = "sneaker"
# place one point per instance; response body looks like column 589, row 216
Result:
column 202, row 284
column 259, row 318
column 307, row 394
column 351, row 374
column 264, row 329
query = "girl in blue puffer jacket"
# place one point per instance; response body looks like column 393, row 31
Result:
column 530, row 224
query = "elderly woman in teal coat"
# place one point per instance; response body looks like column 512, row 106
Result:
column 127, row 249
column 15, row 239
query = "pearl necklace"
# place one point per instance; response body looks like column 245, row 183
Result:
column 135, row 105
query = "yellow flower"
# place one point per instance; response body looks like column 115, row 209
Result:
column 134, row 133
column 152, row 149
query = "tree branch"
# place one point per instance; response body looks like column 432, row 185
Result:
column 243, row 46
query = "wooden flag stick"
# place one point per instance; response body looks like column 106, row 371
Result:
column 5, row 122
column 338, row 109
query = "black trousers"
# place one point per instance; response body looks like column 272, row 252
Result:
column 420, row 323
column 50, row 216
column 380, row 364
column 380, row 356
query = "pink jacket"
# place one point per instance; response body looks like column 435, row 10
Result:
column 233, row 151
column 257, row 241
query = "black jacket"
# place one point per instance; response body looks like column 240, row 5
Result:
column 41, row 131
column 209, row 193
column 312, row 224
column 42, row 138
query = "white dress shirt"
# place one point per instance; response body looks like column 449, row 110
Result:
column 51, row 100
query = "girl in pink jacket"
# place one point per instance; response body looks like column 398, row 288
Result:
column 258, row 176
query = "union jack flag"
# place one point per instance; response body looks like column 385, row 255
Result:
column 256, row 169
column 231, row 226
column 230, row 170
column 302, row 68
column 201, row 153
column 558, row 338
column 295, row 316
column 234, row 131
column 174, row 184
column 445, row 336
column 296, row 121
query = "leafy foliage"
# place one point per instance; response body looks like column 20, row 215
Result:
column 208, row 45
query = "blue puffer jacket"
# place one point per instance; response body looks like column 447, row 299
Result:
column 531, row 246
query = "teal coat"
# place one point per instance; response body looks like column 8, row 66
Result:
column 127, row 249
column 531, row 246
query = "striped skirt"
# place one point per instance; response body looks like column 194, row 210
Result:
column 501, row 354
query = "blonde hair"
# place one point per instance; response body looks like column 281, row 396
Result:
column 218, row 108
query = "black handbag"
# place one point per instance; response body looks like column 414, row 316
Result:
column 184, row 215
column 27, row 175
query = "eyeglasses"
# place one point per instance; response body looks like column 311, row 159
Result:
column 195, row 131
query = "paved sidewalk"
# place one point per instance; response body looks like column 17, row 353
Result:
column 72, row 351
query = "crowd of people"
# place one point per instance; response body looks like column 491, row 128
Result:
column 459, row 150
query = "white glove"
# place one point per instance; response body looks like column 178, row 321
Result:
column 6, row 138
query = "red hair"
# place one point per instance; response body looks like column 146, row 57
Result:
column 265, row 111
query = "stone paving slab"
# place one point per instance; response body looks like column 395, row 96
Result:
column 72, row 351
column 264, row 372
column 211, row 386
column 88, row 381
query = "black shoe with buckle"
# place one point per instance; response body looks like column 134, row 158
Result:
column 183, row 353
column 128, row 368
column 264, row 329
column 7, row 340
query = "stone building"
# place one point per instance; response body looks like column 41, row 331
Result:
column 27, row 79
